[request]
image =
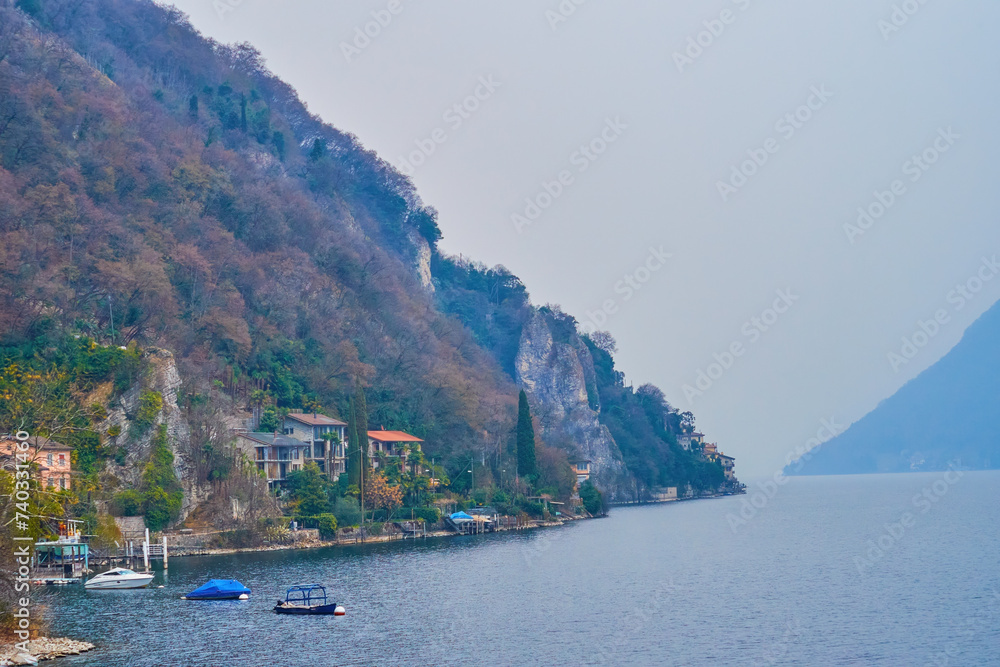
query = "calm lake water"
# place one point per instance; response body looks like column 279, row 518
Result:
column 677, row 584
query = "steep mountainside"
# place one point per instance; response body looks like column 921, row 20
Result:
column 157, row 187
column 948, row 415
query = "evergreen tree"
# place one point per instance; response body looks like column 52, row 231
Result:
column 361, row 417
column 525, row 437
column 193, row 106
column 353, row 455
column 243, row 113
column 318, row 150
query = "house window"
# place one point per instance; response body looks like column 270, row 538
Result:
column 49, row 459
column 62, row 459
column 63, row 481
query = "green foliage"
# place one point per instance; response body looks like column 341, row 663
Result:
column 354, row 447
column 150, row 404
column 127, row 503
column 162, row 494
column 426, row 224
column 593, row 499
column 526, row 464
column 308, row 488
column 347, row 511
column 269, row 421
column 318, row 150
column 327, row 524
column 361, row 420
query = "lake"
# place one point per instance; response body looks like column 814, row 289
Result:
column 860, row 570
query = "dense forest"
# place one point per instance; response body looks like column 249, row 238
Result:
column 162, row 190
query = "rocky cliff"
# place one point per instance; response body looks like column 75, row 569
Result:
column 555, row 376
column 164, row 380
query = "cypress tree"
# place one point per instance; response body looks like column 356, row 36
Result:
column 525, row 437
column 243, row 113
column 353, row 456
column 361, row 419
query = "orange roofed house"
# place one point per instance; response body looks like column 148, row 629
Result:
column 390, row 444
column 53, row 459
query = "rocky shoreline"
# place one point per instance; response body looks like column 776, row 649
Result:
column 42, row 648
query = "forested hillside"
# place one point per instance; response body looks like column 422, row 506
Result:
column 161, row 190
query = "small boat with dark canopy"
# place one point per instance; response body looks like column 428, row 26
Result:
column 308, row 599
column 219, row 589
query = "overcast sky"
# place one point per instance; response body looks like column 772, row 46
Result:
column 634, row 114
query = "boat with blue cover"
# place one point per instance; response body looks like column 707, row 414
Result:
column 308, row 599
column 219, row 589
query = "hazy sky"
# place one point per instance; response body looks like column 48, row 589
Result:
column 623, row 123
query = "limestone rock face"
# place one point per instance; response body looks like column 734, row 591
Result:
column 555, row 376
column 164, row 379
column 423, row 260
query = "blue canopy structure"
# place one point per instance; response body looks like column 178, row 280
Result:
column 458, row 516
column 219, row 589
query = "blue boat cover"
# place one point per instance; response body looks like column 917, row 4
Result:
column 216, row 588
column 460, row 515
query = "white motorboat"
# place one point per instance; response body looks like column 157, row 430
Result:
column 118, row 578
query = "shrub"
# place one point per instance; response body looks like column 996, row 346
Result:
column 150, row 404
column 327, row 524
column 160, row 508
column 126, row 503
column 593, row 499
column 375, row 528
column 162, row 494
column 428, row 514
column 347, row 512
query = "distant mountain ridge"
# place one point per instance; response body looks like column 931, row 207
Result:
column 947, row 415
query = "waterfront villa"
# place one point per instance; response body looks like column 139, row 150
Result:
column 728, row 463
column 728, row 466
column 394, row 444
column 53, row 458
column 275, row 455
column 310, row 429
column 581, row 469
column 688, row 440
